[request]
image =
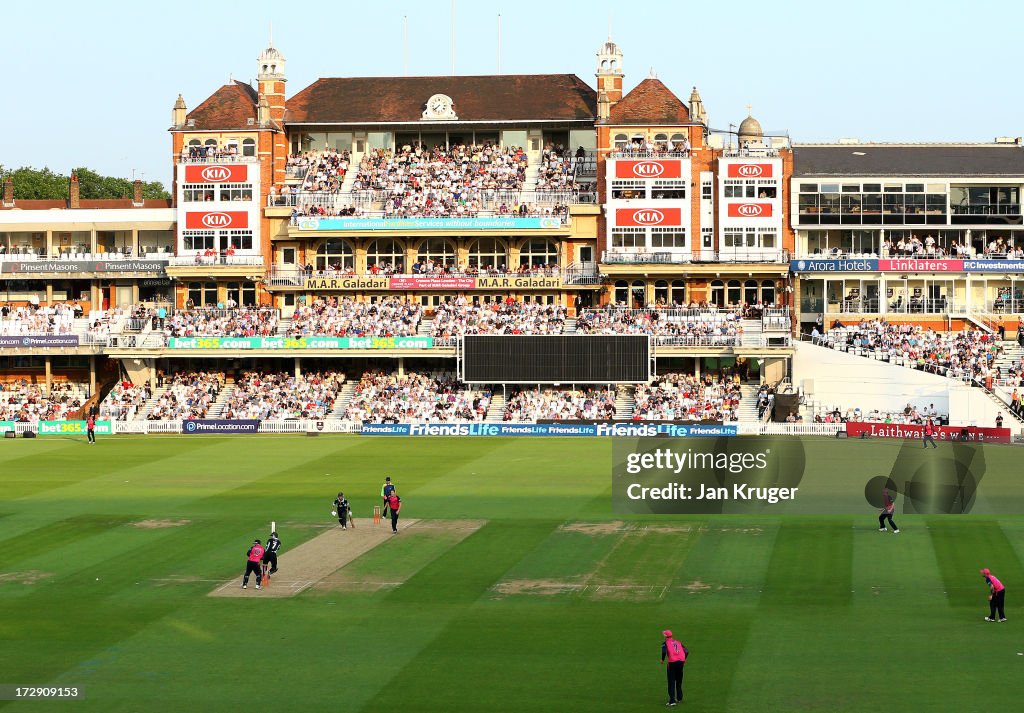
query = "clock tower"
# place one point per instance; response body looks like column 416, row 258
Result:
column 609, row 78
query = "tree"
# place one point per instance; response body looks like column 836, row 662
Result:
column 43, row 184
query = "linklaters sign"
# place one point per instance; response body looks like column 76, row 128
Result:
column 109, row 267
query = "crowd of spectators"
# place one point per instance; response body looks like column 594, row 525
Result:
column 461, row 316
column 909, row 415
column 344, row 317
column 33, row 319
column 125, row 401
column 422, row 182
column 327, row 172
column 686, row 397
column 646, row 147
column 557, row 171
column 282, row 397
column 969, row 354
column 229, row 322
column 682, row 326
column 228, row 152
column 382, row 397
column 25, row 402
column 532, row 405
column 189, row 395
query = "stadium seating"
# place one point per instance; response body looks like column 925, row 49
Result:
column 459, row 317
column 685, row 397
column 210, row 322
column 282, row 397
column 188, row 395
column 125, row 402
column 415, row 398
column 22, row 401
column 389, row 317
column 532, row 405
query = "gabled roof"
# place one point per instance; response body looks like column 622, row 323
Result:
column 230, row 107
column 650, row 103
column 903, row 160
column 495, row 98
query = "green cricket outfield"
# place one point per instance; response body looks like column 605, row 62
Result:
column 548, row 602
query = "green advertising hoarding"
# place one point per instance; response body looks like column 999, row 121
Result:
column 300, row 342
column 71, row 428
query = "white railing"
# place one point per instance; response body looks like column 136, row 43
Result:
column 771, row 428
column 64, row 258
column 186, row 260
column 490, row 200
column 629, row 154
column 219, row 157
column 684, row 256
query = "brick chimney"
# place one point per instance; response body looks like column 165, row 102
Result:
column 73, row 200
column 8, row 192
column 137, row 199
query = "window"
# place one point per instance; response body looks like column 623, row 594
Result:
column 621, row 292
column 235, row 192
column 767, row 238
column 437, row 249
column 538, row 253
column 628, row 238
column 385, row 252
column 244, row 294
column 915, row 188
column 750, row 189
column 620, row 142
column 625, row 190
column 851, row 188
column 768, row 291
column 488, row 252
column 335, row 253
column 750, row 291
column 767, row 191
column 203, row 294
column 638, row 292
column 248, row 147
column 706, row 192
column 240, row 239
column 661, row 292
column 668, row 238
column 707, row 237
column 669, row 190
column 199, row 239
column 732, row 292
column 718, row 293
column 808, row 187
column 733, row 189
column 198, row 192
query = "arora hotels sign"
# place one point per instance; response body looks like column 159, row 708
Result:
column 906, row 265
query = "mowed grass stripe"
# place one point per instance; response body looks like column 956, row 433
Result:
column 888, row 568
column 52, row 536
column 963, row 546
column 811, row 564
column 465, row 572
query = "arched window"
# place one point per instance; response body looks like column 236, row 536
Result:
column 248, row 147
column 734, row 294
column 678, row 138
column 440, row 250
column 678, row 293
column 750, row 292
column 489, row 253
column 768, row 292
column 639, row 290
column 538, row 253
column 622, row 292
column 661, row 292
column 660, row 138
column 194, row 142
column 620, row 141
column 211, row 142
column 336, row 254
column 717, row 293
column 385, row 252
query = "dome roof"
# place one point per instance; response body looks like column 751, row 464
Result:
column 609, row 47
column 270, row 53
column 750, row 128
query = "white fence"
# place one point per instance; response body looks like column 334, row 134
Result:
column 771, row 428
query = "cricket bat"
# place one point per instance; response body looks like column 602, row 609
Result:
column 351, row 519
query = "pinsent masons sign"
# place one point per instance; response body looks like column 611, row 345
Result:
column 641, row 217
column 648, row 169
column 42, row 267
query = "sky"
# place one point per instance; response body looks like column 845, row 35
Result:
column 92, row 84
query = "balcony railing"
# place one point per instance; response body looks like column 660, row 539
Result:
column 627, row 154
column 219, row 158
column 1000, row 209
column 490, row 201
column 189, row 260
column 749, row 152
column 613, row 257
column 281, row 275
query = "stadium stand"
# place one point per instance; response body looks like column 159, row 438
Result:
column 125, row 401
column 685, row 397
column 531, row 405
column 211, row 322
column 22, row 401
column 415, row 398
column 459, row 317
column 282, row 397
column 188, row 395
column 389, row 317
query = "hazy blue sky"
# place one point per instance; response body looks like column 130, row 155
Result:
column 93, row 83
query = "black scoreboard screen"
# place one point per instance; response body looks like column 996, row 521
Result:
column 562, row 359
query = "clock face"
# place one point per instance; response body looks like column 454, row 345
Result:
column 438, row 105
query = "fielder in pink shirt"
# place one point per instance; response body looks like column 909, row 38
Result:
column 996, row 596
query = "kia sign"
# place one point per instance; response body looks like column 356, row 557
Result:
column 217, row 173
column 217, row 220
column 750, row 210
column 649, row 169
column 649, row 216
column 749, row 170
